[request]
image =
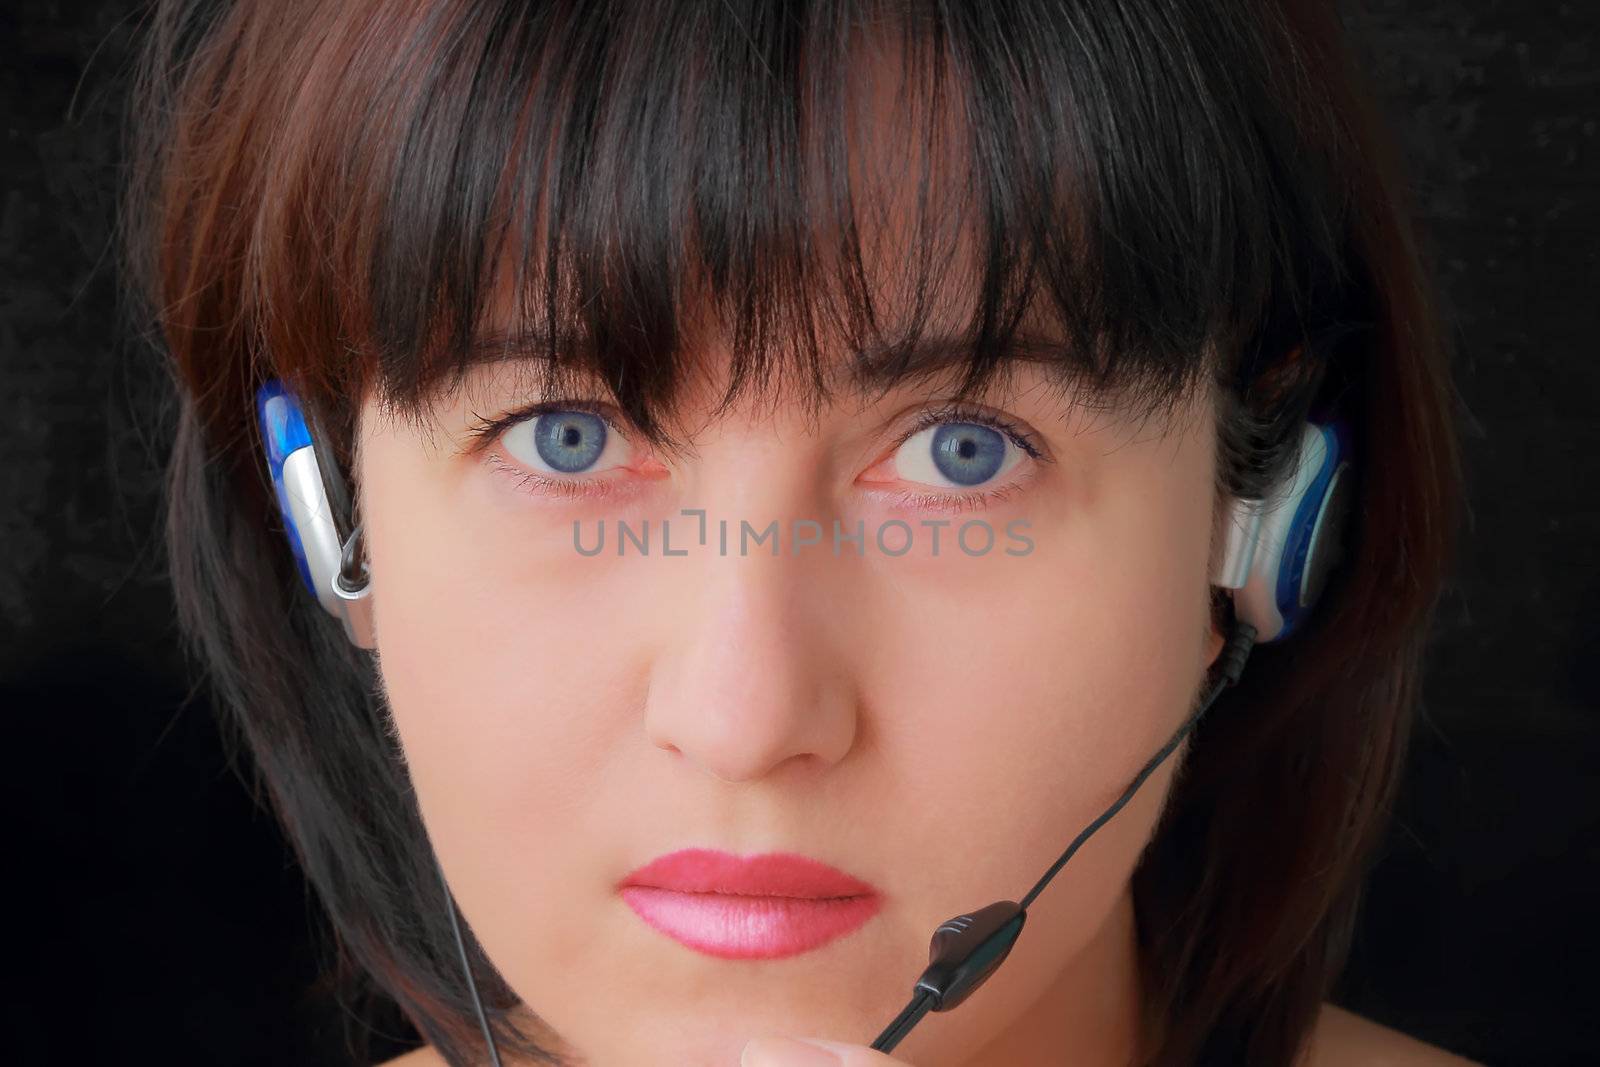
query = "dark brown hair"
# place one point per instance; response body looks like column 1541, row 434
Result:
column 1186, row 191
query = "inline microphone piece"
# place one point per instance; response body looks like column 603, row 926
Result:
column 966, row 950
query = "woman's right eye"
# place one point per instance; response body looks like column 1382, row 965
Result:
column 566, row 442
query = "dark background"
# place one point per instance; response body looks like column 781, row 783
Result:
column 156, row 912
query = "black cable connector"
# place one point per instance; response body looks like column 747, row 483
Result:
column 964, row 952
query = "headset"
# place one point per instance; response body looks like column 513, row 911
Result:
column 330, row 566
column 1275, row 561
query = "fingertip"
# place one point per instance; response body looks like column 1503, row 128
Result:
column 790, row 1052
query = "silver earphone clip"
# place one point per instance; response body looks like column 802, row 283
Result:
column 353, row 586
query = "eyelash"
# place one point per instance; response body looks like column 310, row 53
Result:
column 485, row 431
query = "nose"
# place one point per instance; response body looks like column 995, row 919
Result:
column 751, row 679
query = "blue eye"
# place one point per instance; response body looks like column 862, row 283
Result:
column 564, row 442
column 956, row 454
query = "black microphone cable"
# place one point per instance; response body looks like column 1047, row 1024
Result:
column 466, row 967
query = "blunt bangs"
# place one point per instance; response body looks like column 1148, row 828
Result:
column 603, row 192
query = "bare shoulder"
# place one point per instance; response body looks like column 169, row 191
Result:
column 421, row 1057
column 1344, row 1039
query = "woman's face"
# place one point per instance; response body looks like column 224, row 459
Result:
column 935, row 723
column 938, row 726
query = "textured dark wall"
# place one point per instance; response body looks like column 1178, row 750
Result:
column 161, row 915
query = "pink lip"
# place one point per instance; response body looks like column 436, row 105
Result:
column 755, row 907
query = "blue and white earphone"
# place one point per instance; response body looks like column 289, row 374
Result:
column 1280, row 549
column 1275, row 560
column 330, row 566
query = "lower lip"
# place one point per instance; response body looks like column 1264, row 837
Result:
column 748, row 928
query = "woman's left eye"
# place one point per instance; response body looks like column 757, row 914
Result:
column 956, row 455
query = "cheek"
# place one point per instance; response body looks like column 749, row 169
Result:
column 499, row 691
column 1070, row 665
column 497, row 682
column 1045, row 686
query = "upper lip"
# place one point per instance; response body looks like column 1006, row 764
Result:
column 770, row 874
